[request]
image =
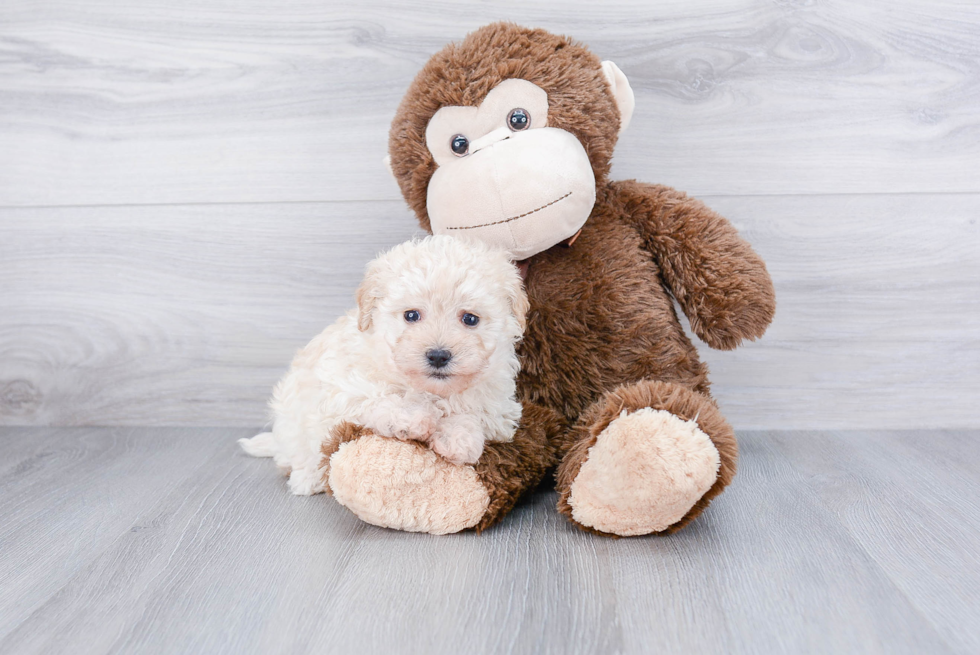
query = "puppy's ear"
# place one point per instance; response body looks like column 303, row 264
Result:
column 367, row 298
column 519, row 303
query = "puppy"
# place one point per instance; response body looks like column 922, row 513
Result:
column 428, row 355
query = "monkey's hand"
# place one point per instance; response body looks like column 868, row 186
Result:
column 718, row 280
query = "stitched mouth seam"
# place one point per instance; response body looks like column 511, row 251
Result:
column 513, row 218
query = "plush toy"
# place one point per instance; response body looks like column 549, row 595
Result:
column 507, row 137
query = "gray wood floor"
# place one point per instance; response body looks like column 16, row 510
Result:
column 125, row 540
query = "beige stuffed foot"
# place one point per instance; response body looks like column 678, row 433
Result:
column 405, row 486
column 647, row 457
column 643, row 474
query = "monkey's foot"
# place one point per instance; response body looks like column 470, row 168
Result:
column 638, row 470
column 405, row 486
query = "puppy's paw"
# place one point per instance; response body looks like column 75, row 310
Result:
column 403, row 418
column 460, row 444
column 420, row 423
column 306, row 482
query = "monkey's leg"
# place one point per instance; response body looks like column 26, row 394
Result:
column 646, row 457
column 404, row 485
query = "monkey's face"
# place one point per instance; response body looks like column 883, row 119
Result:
column 504, row 176
column 505, row 136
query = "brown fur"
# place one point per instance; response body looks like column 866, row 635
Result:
column 602, row 329
column 462, row 74
column 508, row 470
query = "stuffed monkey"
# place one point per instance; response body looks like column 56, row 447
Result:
column 507, row 137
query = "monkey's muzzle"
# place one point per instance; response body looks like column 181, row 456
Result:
column 524, row 193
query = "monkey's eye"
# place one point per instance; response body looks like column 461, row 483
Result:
column 470, row 320
column 518, row 119
column 460, row 145
column 412, row 315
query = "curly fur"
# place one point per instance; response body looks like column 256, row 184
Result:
column 370, row 368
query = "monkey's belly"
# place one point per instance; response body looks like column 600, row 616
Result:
column 597, row 324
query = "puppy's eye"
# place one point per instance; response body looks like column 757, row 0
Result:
column 460, row 145
column 518, row 119
column 470, row 319
column 412, row 315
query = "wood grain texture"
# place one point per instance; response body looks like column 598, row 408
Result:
column 198, row 102
column 172, row 315
column 66, row 496
column 899, row 495
column 225, row 561
column 187, row 315
column 877, row 317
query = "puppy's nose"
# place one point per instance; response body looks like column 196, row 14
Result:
column 438, row 358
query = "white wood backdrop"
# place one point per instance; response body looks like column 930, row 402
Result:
column 189, row 191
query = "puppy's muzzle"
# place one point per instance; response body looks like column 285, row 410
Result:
column 438, row 358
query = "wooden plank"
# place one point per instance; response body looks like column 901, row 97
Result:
column 228, row 562
column 183, row 315
column 231, row 521
column 848, row 385
column 878, row 312
column 873, row 268
column 187, row 315
column 67, row 494
column 910, row 499
column 201, row 102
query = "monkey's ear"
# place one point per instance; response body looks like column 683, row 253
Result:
column 367, row 299
column 621, row 91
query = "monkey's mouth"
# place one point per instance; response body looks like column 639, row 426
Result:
column 512, row 218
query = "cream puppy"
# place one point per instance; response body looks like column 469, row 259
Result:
column 428, row 355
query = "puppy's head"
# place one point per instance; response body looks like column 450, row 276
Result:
column 449, row 311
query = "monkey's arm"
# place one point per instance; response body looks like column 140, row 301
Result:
column 721, row 284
